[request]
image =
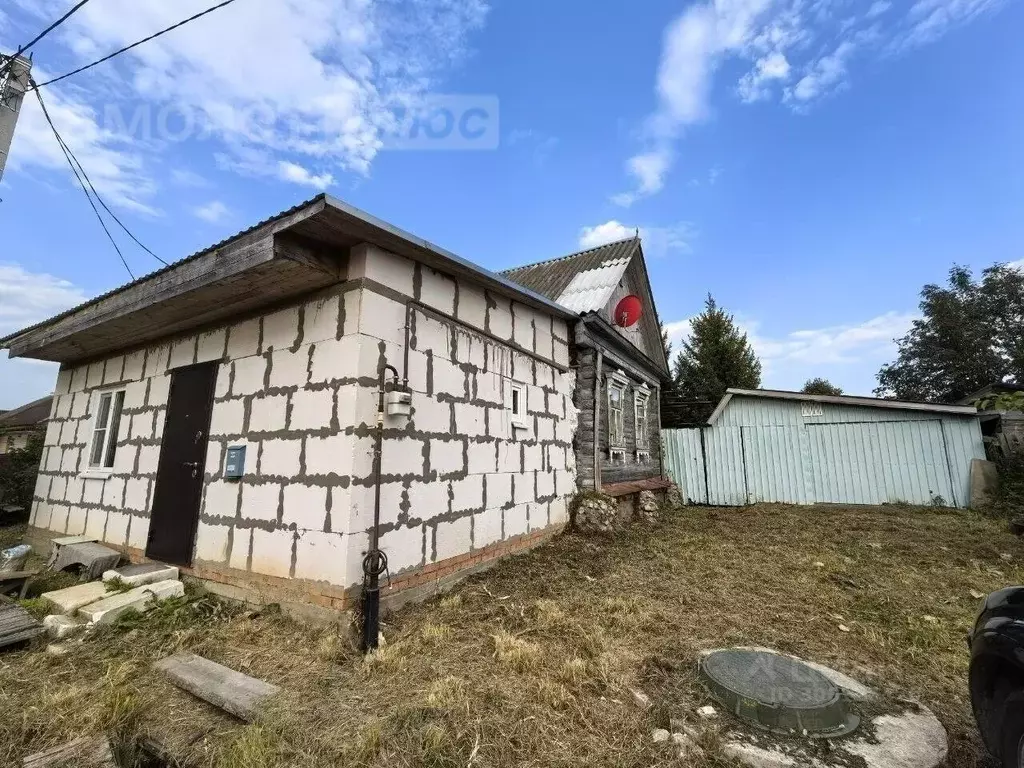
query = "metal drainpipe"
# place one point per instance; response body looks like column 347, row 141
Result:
column 375, row 562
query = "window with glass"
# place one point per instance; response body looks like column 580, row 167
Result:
column 616, row 430
column 104, row 433
column 640, row 407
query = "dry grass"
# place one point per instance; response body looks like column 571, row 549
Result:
column 529, row 664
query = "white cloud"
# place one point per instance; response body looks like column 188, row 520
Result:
column 825, row 74
column 315, row 82
column 657, row 241
column 27, row 298
column 755, row 85
column 848, row 355
column 878, row 8
column 298, row 175
column 928, row 20
column 213, row 212
column 185, row 178
column 648, row 170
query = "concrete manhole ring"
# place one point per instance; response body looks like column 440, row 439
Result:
column 912, row 738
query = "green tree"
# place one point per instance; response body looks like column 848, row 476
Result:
column 716, row 356
column 970, row 333
column 820, row 386
column 18, row 470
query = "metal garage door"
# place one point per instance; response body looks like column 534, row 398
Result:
column 879, row 462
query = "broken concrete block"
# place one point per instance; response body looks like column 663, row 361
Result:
column 145, row 573
column 223, row 687
column 70, row 599
column 140, row 599
column 93, row 558
column 59, row 626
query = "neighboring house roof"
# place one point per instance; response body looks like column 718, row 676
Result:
column 997, row 388
column 217, row 282
column 583, row 281
column 30, row 415
column 870, row 402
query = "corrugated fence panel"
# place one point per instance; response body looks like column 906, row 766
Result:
column 774, row 465
column 684, row 461
column 726, row 480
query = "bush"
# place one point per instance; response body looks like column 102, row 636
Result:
column 1009, row 499
column 18, row 470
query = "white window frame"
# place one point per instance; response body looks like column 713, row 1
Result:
column 641, row 399
column 617, row 418
column 110, row 427
column 517, row 405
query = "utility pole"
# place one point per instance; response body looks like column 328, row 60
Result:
column 12, row 92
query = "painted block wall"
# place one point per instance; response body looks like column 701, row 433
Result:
column 297, row 387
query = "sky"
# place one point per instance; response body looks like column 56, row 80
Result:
column 809, row 163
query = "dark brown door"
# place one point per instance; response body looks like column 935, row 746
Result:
column 179, row 477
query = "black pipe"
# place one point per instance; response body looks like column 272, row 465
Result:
column 375, row 562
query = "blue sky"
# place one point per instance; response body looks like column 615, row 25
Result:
column 810, row 163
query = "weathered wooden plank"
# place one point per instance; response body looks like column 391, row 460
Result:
column 84, row 752
column 232, row 691
column 17, row 625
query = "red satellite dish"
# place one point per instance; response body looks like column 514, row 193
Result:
column 628, row 311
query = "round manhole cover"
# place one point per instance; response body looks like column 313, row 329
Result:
column 778, row 693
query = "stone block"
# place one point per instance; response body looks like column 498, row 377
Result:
column 510, row 457
column 470, row 348
column 183, row 352
column 134, row 365
column 249, row 375
column 156, row 361
column 470, row 420
column 437, row 290
column 53, row 431
column 383, row 267
column 355, row 511
column 333, row 360
column 76, row 520
column 558, row 511
column 212, row 542
column 228, row 418
column 116, row 531
column 143, row 573
column 499, row 317
column 545, row 430
column 267, row 413
column 516, row 520
column 522, row 325
column 499, row 489
column 139, row 599
column 235, row 693
column 280, row 329
column 272, row 552
column 432, row 416
column 221, row 498
column 223, row 386
column 70, row 599
column 565, row 480
column 211, row 345
column 402, row 457
column 543, row 345
column 149, row 458
column 305, row 506
column 288, row 369
column 320, row 320
column 142, row 425
column 433, row 335
column 94, row 375
column 559, row 351
column 523, row 488
column 448, row 455
column 452, row 538
column 60, row 408
column 280, row 458
column 487, row 387
column 404, row 548
column 240, row 548
column 135, row 394
column 113, row 492
column 320, row 556
column 533, row 457
column 428, row 500
column 486, row 528
column 449, row 379
column 78, row 378
column 538, row 517
column 80, row 405
column 58, row 488
column 260, row 502
column 329, row 455
column 113, row 370
column 468, row 494
column 214, row 457
column 69, row 458
column 59, row 627
column 381, row 317
column 472, row 307
column 483, row 458
column 311, row 409
column 138, row 531
column 417, row 371
column 545, row 484
column 95, row 523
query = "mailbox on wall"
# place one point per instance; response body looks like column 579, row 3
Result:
column 234, row 464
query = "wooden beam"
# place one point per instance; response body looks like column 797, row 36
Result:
column 331, row 261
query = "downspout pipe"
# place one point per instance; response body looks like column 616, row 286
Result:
column 375, row 562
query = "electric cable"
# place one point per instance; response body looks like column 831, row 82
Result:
column 42, row 34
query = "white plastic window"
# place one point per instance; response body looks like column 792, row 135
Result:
column 104, row 432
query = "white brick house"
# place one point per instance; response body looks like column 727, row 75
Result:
column 272, row 341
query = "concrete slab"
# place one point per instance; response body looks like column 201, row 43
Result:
column 63, row 541
column 94, row 558
column 140, row 599
column 144, row 573
column 909, row 740
column 59, row 626
column 70, row 599
column 232, row 691
column 85, row 752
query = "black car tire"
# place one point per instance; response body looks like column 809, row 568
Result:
column 1012, row 736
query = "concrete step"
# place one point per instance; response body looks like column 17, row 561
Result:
column 232, row 691
column 144, row 573
column 70, row 599
column 140, row 599
column 59, row 626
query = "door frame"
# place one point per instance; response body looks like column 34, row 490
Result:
column 215, row 365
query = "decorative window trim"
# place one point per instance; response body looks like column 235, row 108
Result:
column 641, row 399
column 103, row 437
column 643, row 457
column 810, row 409
column 616, row 416
column 617, row 456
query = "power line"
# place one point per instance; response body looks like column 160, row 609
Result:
column 135, row 45
column 42, row 34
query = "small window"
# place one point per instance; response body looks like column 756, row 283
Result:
column 618, row 456
column 640, row 411
column 517, row 406
column 104, row 432
column 643, row 457
column 517, row 400
column 616, row 394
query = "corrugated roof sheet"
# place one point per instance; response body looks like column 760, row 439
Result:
column 583, row 281
column 27, row 415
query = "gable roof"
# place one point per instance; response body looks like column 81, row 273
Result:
column 28, row 415
column 582, row 281
column 870, row 402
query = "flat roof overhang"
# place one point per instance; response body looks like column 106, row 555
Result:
column 294, row 253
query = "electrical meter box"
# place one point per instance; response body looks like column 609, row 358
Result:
column 399, row 403
column 234, row 465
